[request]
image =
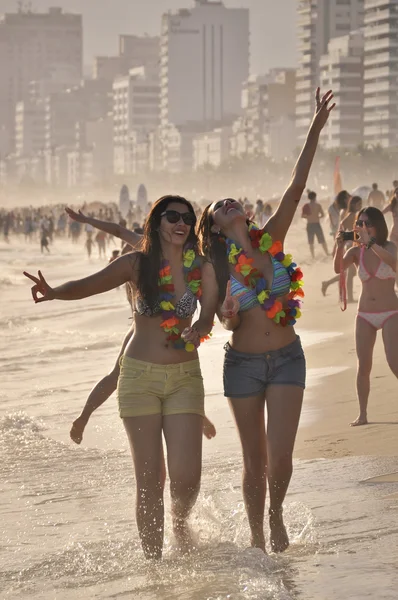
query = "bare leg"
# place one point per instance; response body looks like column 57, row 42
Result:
column 99, row 394
column 145, row 438
column 249, row 417
column 284, row 404
column 325, row 248
column 390, row 337
column 312, row 250
column 183, row 435
column 365, row 338
column 104, row 389
column 325, row 284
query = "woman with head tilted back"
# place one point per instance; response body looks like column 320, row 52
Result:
column 160, row 388
column 376, row 261
column 259, row 293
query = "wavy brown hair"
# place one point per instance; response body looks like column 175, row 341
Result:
column 151, row 250
column 213, row 247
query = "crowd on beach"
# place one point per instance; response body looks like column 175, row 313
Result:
column 228, row 255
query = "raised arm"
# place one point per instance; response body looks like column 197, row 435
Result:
column 278, row 225
column 387, row 209
column 119, row 271
column 387, row 253
column 124, row 234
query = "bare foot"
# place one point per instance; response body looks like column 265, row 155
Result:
column 258, row 541
column 183, row 535
column 279, row 538
column 324, row 287
column 77, row 430
column 359, row 421
column 209, row 430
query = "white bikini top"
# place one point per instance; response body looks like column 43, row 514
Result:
column 383, row 270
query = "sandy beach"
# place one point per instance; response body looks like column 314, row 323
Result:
column 68, row 523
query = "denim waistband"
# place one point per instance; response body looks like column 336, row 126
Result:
column 268, row 354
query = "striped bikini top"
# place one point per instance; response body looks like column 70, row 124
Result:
column 248, row 298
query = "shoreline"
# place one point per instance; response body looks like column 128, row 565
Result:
column 334, row 398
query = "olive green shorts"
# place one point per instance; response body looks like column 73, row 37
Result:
column 149, row 389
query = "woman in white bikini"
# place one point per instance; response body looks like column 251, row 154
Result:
column 376, row 262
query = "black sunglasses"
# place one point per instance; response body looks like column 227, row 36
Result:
column 361, row 223
column 173, row 216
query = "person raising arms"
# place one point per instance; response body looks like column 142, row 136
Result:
column 160, row 388
column 259, row 289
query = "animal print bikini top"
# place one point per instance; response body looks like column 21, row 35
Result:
column 185, row 308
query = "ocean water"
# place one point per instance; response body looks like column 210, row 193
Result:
column 68, row 528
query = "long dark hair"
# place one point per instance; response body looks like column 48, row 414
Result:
column 213, row 247
column 342, row 199
column 151, row 250
column 378, row 221
column 354, row 204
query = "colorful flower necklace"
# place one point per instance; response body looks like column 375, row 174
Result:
column 255, row 280
column 167, row 301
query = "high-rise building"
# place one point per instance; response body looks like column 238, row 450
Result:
column 267, row 125
column 134, row 51
column 319, row 21
column 135, row 109
column 204, row 59
column 341, row 70
column 381, row 73
column 37, row 46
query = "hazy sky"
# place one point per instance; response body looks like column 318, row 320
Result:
column 273, row 24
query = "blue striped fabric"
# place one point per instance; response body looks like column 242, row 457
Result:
column 248, row 297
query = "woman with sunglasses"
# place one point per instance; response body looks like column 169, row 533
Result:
column 259, row 294
column 160, row 388
column 376, row 261
column 108, row 384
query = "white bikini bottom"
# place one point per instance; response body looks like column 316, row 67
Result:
column 377, row 319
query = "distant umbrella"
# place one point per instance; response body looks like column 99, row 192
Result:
column 362, row 191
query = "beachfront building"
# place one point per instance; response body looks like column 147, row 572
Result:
column 36, row 46
column 135, row 109
column 381, row 73
column 134, row 51
column 211, row 148
column 204, row 60
column 341, row 70
column 319, row 21
column 267, row 123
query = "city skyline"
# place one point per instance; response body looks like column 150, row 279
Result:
column 268, row 20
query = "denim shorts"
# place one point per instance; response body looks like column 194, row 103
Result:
column 250, row 374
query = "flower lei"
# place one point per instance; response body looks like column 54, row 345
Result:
column 193, row 278
column 255, row 280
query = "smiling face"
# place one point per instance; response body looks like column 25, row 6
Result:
column 225, row 213
column 177, row 231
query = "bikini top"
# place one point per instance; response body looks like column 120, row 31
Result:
column 248, row 298
column 185, row 308
column 383, row 270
